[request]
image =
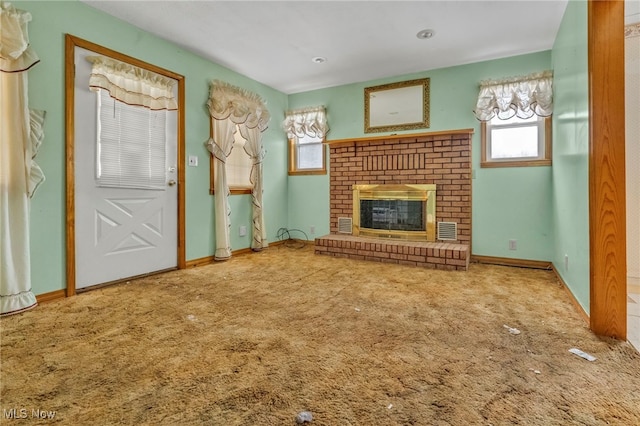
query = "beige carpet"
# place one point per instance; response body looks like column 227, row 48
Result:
column 261, row 337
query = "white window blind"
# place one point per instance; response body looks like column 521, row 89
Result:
column 309, row 152
column 239, row 164
column 131, row 148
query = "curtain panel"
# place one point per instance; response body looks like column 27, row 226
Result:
column 132, row 85
column 256, row 152
column 229, row 106
column 517, row 96
column 21, row 135
column 220, row 146
column 306, row 122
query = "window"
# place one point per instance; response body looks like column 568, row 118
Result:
column 132, row 107
column 131, row 145
column 238, row 166
column 307, row 155
column 306, row 130
column 516, row 142
column 508, row 140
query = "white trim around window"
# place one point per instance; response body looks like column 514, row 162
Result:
column 307, row 155
column 534, row 149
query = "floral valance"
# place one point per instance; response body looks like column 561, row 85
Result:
column 16, row 54
column 308, row 121
column 132, row 85
column 517, row 96
column 239, row 105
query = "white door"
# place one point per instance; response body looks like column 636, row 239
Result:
column 119, row 232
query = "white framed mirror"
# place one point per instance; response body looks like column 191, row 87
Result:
column 397, row 106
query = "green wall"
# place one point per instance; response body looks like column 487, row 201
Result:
column 51, row 21
column 544, row 208
column 508, row 203
column 570, row 204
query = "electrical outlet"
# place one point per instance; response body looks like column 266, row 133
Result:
column 513, row 245
column 566, row 262
column 193, row 160
column 312, row 229
column 242, row 231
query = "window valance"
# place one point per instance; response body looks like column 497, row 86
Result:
column 308, row 121
column 132, row 85
column 520, row 96
column 239, row 105
column 16, row 54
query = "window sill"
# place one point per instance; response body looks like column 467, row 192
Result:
column 307, row 172
column 234, row 191
column 531, row 163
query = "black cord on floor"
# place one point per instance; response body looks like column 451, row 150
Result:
column 284, row 234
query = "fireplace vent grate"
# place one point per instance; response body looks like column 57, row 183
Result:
column 345, row 225
column 447, row 231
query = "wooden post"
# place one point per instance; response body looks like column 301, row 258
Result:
column 607, row 221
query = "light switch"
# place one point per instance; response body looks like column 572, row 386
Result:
column 193, row 160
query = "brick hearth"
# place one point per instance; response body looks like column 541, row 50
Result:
column 414, row 253
column 441, row 158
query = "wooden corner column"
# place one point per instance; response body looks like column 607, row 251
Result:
column 607, row 221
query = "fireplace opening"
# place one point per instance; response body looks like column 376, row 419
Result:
column 395, row 211
column 397, row 215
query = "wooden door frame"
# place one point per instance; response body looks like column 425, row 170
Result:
column 607, row 195
column 71, row 42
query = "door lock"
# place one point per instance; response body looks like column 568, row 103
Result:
column 171, row 182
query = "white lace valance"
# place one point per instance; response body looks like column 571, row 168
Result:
column 238, row 105
column 15, row 53
column 308, row 121
column 132, row 85
column 632, row 30
column 520, row 96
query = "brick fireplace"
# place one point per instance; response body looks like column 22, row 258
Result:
column 440, row 158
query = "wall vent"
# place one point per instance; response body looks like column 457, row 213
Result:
column 345, row 225
column 447, row 231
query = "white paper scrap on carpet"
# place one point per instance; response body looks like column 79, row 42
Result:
column 582, row 354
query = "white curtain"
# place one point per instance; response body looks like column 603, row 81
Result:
column 254, row 148
column 20, row 139
column 132, row 85
column 220, row 145
column 230, row 105
column 516, row 96
column 307, row 121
